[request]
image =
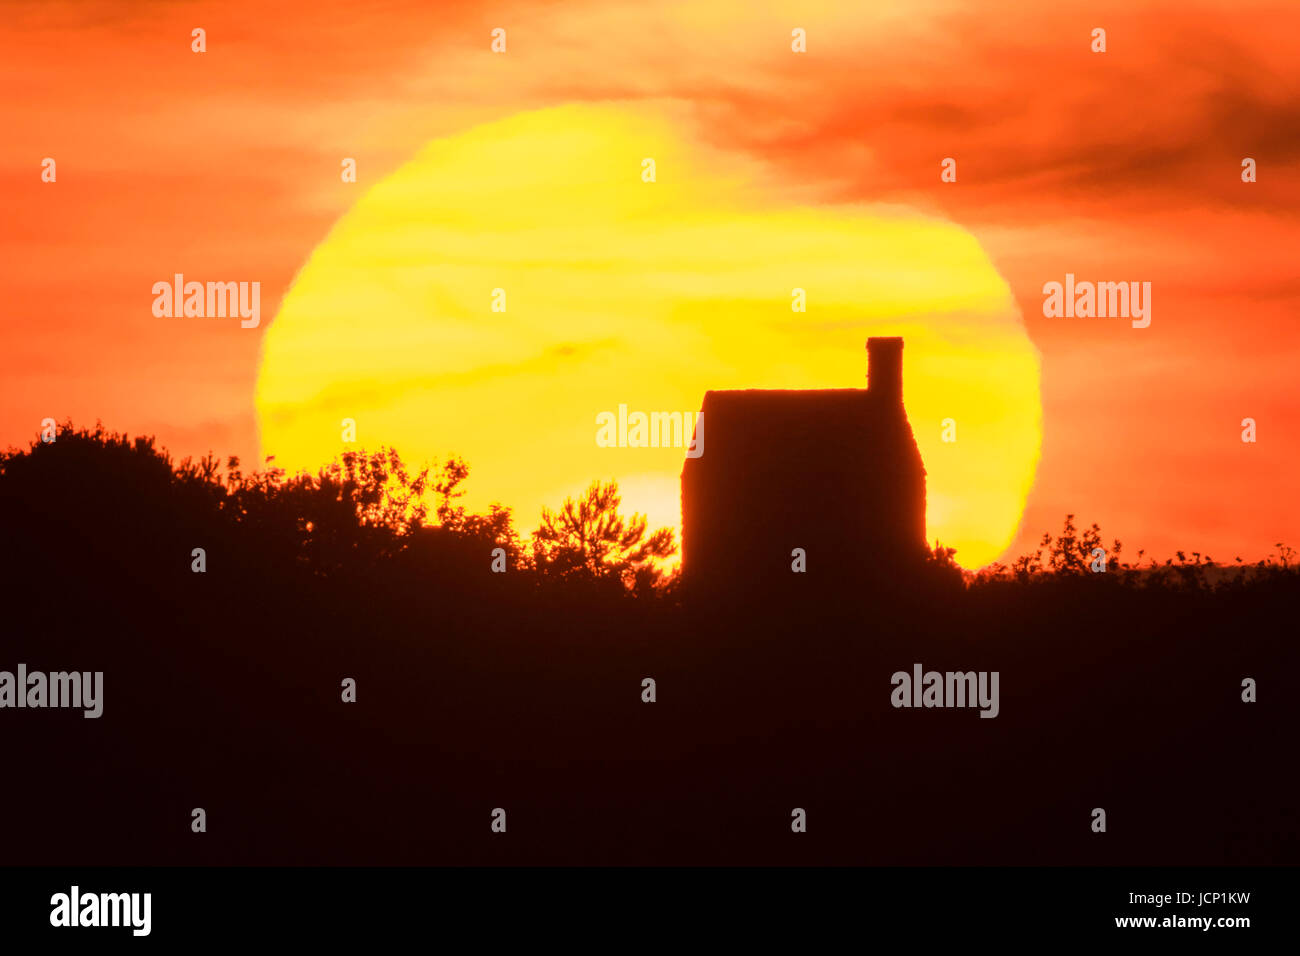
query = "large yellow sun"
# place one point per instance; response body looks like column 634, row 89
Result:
column 505, row 287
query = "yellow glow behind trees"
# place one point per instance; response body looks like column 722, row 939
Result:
column 646, row 294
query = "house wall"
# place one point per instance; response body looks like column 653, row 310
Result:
column 835, row 472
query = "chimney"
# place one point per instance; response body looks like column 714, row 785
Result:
column 885, row 369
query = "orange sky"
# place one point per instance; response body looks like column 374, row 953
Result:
column 1119, row 166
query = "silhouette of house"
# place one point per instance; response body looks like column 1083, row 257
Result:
column 835, row 472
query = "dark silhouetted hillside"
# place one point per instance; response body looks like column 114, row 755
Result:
column 523, row 690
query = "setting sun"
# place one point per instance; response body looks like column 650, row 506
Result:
column 498, row 293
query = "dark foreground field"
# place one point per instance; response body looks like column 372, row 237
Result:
column 232, row 702
column 222, row 691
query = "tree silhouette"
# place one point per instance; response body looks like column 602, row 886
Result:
column 588, row 540
column 492, row 530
